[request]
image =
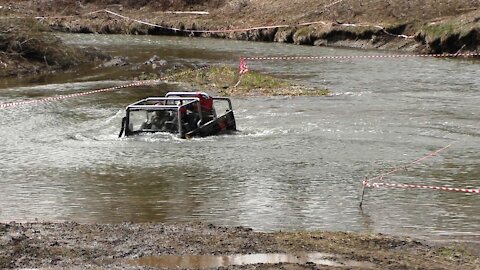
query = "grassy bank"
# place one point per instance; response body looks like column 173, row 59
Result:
column 438, row 27
column 453, row 33
column 27, row 47
column 444, row 27
column 226, row 81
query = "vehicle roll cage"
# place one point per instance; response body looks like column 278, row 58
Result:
column 173, row 101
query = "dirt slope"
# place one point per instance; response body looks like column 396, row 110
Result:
column 435, row 26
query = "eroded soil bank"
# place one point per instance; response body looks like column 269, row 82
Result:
column 29, row 48
column 416, row 26
column 73, row 245
column 425, row 26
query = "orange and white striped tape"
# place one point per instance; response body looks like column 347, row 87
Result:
column 343, row 57
column 367, row 184
column 56, row 98
column 102, row 90
column 389, row 185
column 411, row 164
column 244, row 68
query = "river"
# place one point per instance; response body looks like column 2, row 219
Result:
column 296, row 164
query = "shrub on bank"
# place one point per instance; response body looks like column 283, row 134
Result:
column 452, row 34
column 27, row 47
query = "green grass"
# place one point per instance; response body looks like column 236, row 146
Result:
column 453, row 253
column 459, row 25
column 225, row 77
column 226, row 81
column 255, row 79
column 440, row 29
column 304, row 31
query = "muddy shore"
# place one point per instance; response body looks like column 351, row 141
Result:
column 144, row 246
column 29, row 48
column 416, row 26
column 121, row 246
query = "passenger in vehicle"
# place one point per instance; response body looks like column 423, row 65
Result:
column 206, row 104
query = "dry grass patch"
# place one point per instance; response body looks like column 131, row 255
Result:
column 226, row 81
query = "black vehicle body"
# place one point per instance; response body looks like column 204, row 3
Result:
column 188, row 114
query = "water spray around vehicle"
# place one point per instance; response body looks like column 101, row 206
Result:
column 188, row 114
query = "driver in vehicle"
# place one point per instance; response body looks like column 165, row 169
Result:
column 158, row 119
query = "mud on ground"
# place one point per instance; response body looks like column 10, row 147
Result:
column 118, row 246
column 82, row 246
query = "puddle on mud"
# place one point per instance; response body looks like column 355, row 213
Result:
column 212, row 261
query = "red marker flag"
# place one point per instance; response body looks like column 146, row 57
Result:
column 243, row 68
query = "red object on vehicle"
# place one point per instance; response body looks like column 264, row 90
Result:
column 206, row 102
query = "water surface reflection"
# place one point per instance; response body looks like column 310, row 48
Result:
column 297, row 163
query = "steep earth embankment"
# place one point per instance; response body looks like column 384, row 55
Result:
column 423, row 26
column 426, row 26
column 28, row 48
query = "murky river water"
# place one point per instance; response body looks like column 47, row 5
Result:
column 297, row 163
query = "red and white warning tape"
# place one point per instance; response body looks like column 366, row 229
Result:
column 415, row 162
column 56, row 98
column 368, row 184
column 440, row 55
column 378, row 185
column 102, row 90
column 244, row 68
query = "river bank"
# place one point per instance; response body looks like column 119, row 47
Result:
column 416, row 26
column 101, row 189
column 29, row 48
column 420, row 27
column 152, row 245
